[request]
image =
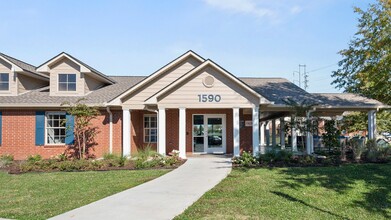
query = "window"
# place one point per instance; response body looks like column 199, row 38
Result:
column 4, row 81
column 150, row 128
column 66, row 82
column 55, row 128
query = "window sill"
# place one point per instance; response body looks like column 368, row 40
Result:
column 54, row 146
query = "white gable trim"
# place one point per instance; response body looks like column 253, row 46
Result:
column 153, row 98
column 45, row 67
column 14, row 67
column 118, row 100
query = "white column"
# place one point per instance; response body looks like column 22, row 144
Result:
column 274, row 141
column 267, row 134
column 262, row 137
column 236, row 131
column 282, row 133
column 372, row 124
column 308, row 137
column 294, row 139
column 126, row 132
column 162, row 131
column 255, row 130
column 182, row 132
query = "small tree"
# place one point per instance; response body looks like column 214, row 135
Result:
column 331, row 135
column 83, row 131
column 299, row 119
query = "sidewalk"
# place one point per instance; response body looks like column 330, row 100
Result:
column 161, row 198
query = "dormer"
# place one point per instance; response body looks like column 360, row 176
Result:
column 71, row 77
column 18, row 77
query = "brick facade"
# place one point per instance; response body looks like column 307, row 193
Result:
column 18, row 135
column 18, row 132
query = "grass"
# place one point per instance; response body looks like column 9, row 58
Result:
column 43, row 195
column 356, row 191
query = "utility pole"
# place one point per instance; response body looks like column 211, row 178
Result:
column 301, row 74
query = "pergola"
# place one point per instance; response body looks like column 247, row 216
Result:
column 322, row 105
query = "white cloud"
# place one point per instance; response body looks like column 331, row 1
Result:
column 241, row 6
column 273, row 10
column 296, row 9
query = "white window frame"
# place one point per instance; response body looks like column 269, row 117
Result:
column 46, row 126
column 149, row 128
column 67, row 82
column 4, row 82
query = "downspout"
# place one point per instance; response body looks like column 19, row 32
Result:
column 309, row 141
column 110, row 130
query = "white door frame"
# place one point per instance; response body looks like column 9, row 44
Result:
column 224, row 134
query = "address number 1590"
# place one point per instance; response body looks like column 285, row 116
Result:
column 209, row 98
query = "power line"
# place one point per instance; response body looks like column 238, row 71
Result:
column 321, row 68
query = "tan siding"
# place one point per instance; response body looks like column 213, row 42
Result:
column 91, row 84
column 26, row 83
column 66, row 66
column 165, row 79
column 232, row 95
column 6, row 68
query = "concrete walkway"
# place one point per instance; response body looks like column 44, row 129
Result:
column 161, row 198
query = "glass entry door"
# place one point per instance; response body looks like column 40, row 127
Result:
column 209, row 134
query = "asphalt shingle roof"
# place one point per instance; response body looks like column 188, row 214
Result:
column 273, row 89
column 99, row 96
column 346, row 99
column 279, row 90
column 23, row 65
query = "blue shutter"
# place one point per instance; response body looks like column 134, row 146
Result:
column 39, row 128
column 1, row 126
column 70, row 123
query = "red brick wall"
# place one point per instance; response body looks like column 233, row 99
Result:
column 172, row 130
column 246, row 133
column 18, row 135
column 137, row 131
column 18, row 132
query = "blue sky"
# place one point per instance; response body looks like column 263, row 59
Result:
column 257, row 38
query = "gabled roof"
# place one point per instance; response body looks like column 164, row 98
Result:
column 41, row 97
column 348, row 100
column 84, row 67
column 23, row 65
column 189, row 74
column 157, row 73
column 279, row 90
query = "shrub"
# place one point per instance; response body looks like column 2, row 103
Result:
column 246, row 159
column 34, row 158
column 375, row 153
column 276, row 156
column 113, row 160
column 6, row 160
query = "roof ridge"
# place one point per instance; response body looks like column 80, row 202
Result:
column 13, row 58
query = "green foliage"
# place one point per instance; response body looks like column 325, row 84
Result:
column 83, row 131
column 246, row 160
column 113, row 160
column 375, row 153
column 366, row 65
column 331, row 135
column 34, row 158
column 299, row 119
column 355, row 121
column 275, row 156
column 6, row 160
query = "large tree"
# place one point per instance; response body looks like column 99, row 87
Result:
column 366, row 65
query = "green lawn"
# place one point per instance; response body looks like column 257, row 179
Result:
column 42, row 195
column 347, row 192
